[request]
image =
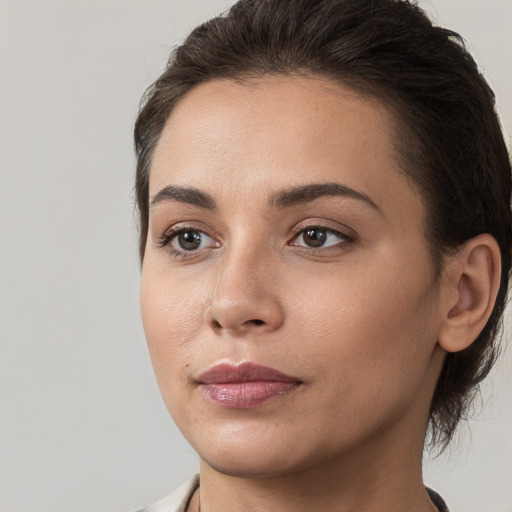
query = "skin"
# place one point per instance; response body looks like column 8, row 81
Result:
column 356, row 321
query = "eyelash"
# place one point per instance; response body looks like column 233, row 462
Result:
column 165, row 241
column 345, row 240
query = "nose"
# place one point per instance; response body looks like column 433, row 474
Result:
column 245, row 297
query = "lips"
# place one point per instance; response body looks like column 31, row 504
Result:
column 245, row 386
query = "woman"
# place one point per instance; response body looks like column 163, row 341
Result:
column 324, row 194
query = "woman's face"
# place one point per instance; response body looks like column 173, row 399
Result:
column 287, row 293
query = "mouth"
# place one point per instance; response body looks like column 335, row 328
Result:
column 245, row 386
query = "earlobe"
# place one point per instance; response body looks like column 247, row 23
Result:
column 472, row 282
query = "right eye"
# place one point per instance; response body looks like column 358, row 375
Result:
column 186, row 240
column 190, row 240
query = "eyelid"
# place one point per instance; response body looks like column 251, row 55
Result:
column 165, row 240
column 325, row 225
column 191, row 225
column 346, row 235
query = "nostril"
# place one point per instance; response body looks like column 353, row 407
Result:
column 256, row 321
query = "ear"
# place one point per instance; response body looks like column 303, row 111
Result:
column 472, row 280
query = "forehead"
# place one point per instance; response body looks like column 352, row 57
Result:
column 279, row 131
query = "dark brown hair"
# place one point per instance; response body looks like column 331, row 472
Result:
column 449, row 138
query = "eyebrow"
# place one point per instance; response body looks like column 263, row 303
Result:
column 305, row 193
column 187, row 195
column 282, row 199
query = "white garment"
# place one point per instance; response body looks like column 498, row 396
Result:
column 178, row 500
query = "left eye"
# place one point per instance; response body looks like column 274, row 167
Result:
column 315, row 237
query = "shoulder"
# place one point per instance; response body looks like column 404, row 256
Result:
column 178, row 500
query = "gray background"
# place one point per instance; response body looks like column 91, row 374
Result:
column 82, row 424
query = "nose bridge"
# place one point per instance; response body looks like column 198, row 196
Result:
column 245, row 296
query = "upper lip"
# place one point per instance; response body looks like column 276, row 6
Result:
column 246, row 372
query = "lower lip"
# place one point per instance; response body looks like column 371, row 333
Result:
column 247, row 395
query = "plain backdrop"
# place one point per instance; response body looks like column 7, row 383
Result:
column 83, row 427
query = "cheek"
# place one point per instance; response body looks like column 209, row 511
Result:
column 377, row 323
column 370, row 348
column 171, row 315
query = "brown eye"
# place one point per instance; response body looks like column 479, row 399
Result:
column 188, row 240
column 318, row 237
column 314, row 237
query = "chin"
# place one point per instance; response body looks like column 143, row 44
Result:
column 251, row 453
column 259, row 453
